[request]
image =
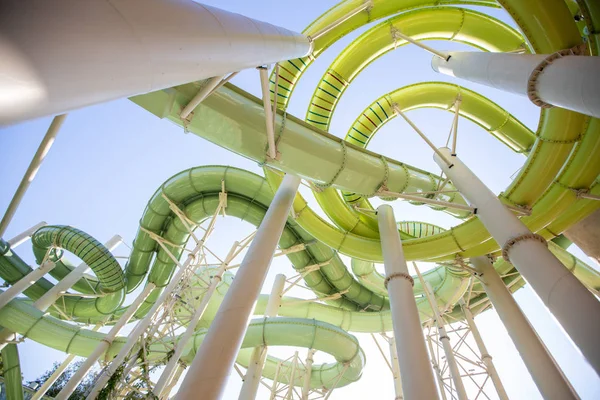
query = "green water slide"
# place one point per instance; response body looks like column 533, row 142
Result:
column 560, row 159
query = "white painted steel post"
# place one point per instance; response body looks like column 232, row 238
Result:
column 307, row 373
column 201, row 95
column 23, row 236
column 128, row 52
column 32, row 170
column 549, row 379
column 415, row 371
column 485, row 356
column 142, row 325
column 44, row 302
column 23, row 283
column 41, row 391
column 570, row 82
column 104, row 345
column 259, row 354
column 216, row 356
column 269, row 115
column 165, row 377
column 445, row 339
column 395, row 369
column 567, row 298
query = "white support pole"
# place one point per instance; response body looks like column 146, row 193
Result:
column 104, row 345
column 41, row 391
column 128, row 53
column 395, row 370
column 23, row 283
column 566, row 297
column 269, row 116
column 202, row 94
column 397, row 34
column 307, row 374
column 427, row 200
column 44, row 302
column 444, row 338
column 165, row 377
column 398, row 111
column 436, row 368
column 142, row 325
column 32, row 170
column 23, row 236
column 570, row 82
column 257, row 361
column 416, row 374
column 455, row 123
column 485, row 356
column 341, row 20
column 216, row 356
column 549, row 379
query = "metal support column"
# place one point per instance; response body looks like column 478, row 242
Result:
column 567, row 298
column 210, row 369
column 561, row 79
column 417, row 377
column 543, row 369
column 32, row 170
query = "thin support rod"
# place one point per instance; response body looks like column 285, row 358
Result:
column 25, row 282
column 144, row 323
column 589, row 196
column 259, row 354
column 215, row 358
column 427, row 201
column 455, row 123
column 32, row 170
column 266, row 94
column 167, row 374
column 23, row 236
column 485, row 356
column 396, row 370
column 290, row 391
column 440, row 54
column 439, row 322
column 275, row 380
column 83, row 369
column 41, row 391
column 415, row 370
column 338, row 22
column 436, row 368
column 202, row 94
column 44, row 302
column 423, row 136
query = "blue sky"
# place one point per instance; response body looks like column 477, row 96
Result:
column 108, row 160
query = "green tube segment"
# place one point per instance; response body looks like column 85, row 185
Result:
column 292, row 70
column 12, row 372
column 441, row 23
